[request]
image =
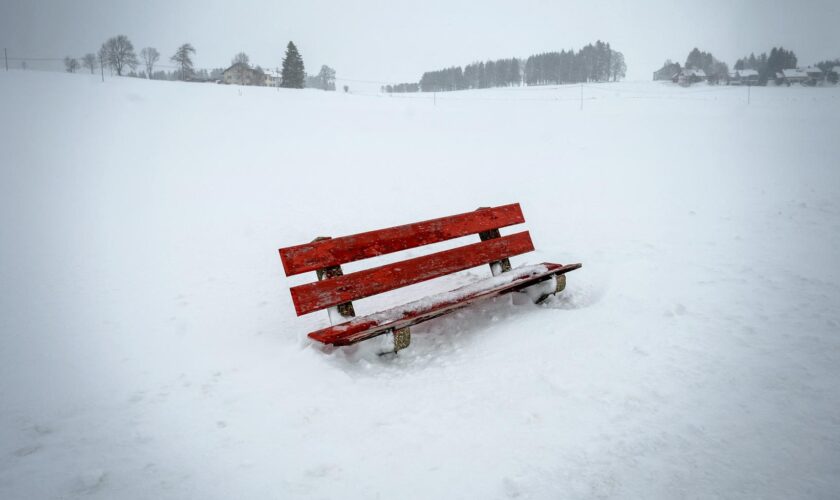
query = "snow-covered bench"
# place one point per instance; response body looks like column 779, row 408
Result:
column 335, row 291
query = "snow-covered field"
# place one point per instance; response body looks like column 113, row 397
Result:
column 149, row 348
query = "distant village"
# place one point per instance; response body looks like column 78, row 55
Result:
column 778, row 68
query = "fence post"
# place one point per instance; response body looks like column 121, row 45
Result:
column 581, row 96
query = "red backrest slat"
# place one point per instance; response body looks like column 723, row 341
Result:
column 331, row 292
column 332, row 252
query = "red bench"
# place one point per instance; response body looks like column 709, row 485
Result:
column 335, row 291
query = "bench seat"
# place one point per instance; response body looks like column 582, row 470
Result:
column 366, row 327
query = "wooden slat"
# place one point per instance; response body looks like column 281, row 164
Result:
column 367, row 327
column 318, row 255
column 327, row 293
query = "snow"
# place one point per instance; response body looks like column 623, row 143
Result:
column 434, row 303
column 149, row 347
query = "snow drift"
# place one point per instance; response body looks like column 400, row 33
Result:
column 149, row 347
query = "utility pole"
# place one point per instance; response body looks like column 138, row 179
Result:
column 6, row 58
column 581, row 96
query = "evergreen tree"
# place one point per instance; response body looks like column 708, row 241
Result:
column 184, row 61
column 293, row 73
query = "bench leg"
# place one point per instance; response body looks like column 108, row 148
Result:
column 401, row 338
column 499, row 266
column 541, row 291
column 341, row 312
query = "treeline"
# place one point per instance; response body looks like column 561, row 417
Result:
column 498, row 73
column 768, row 65
column 443, row 80
column 400, row 88
column 117, row 53
column 197, row 75
column 594, row 62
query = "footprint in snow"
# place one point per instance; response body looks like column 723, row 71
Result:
column 89, row 481
column 26, row 450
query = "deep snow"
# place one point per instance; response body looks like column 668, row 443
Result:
column 149, row 346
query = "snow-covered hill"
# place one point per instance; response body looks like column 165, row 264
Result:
column 149, row 348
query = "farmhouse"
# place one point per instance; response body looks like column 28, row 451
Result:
column 272, row 78
column 743, row 77
column 687, row 76
column 242, row 74
column 791, row 76
column 667, row 72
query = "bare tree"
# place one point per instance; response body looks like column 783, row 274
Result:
column 241, row 58
column 89, row 62
column 119, row 53
column 183, row 60
column 150, row 56
column 617, row 66
column 71, row 64
column 326, row 78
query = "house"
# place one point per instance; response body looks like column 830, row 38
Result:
column 833, row 75
column 667, row 72
column 815, row 75
column 687, row 76
column 242, row 74
column 743, row 77
column 273, row 78
column 790, row 76
column 814, row 72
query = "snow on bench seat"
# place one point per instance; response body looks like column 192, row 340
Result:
column 366, row 327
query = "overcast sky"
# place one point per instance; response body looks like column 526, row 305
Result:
column 396, row 41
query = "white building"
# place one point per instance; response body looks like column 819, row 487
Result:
column 791, row 76
column 273, row 78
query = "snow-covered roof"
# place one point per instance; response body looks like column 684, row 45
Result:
column 271, row 73
column 237, row 65
column 794, row 73
column 746, row 72
column 695, row 72
column 812, row 69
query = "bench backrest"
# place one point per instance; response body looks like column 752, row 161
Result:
column 325, row 255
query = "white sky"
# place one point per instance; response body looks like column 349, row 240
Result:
column 396, row 41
